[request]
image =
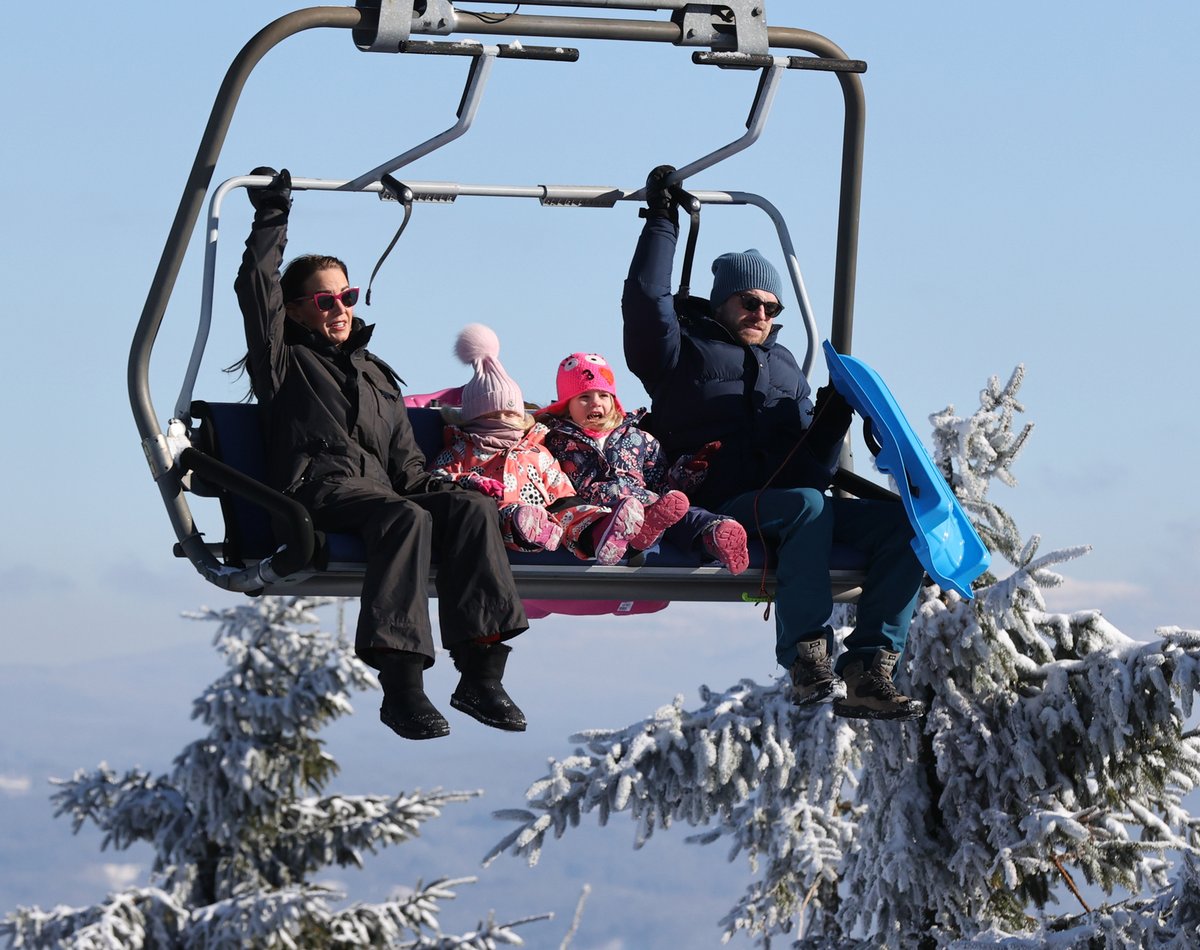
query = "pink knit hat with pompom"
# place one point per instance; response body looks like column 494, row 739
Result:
column 580, row 372
column 490, row 389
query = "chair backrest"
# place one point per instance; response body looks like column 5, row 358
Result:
column 232, row 433
column 427, row 426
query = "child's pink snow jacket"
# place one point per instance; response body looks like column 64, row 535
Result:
column 530, row 474
column 631, row 461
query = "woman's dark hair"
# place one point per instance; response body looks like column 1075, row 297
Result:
column 294, row 275
column 299, row 269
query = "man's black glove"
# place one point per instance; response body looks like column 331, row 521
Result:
column 277, row 196
column 690, row 470
column 659, row 201
column 831, row 421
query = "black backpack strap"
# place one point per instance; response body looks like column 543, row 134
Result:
column 397, row 191
column 689, row 252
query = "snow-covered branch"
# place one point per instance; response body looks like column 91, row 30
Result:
column 1054, row 746
column 235, row 839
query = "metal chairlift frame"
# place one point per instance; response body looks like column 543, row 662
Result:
column 735, row 34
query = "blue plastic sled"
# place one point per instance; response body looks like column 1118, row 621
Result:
column 945, row 542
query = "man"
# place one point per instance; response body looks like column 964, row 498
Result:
column 728, row 395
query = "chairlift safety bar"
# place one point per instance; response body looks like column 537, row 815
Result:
column 592, row 196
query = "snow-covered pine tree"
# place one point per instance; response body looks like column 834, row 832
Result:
column 239, row 825
column 1055, row 750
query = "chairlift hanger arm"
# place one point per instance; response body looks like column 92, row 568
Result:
column 477, row 76
column 468, row 105
column 764, row 95
column 477, row 79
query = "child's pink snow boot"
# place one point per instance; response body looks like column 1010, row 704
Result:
column 660, row 515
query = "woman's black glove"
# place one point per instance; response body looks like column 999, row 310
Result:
column 277, row 196
column 831, row 421
column 660, row 203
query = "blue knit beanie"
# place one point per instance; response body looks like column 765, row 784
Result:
column 749, row 270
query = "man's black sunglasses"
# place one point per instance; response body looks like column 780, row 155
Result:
column 752, row 303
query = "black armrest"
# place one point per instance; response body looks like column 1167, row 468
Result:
column 292, row 519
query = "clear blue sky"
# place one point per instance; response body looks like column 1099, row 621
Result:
column 1030, row 197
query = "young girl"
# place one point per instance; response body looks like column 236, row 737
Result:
column 494, row 446
column 608, row 457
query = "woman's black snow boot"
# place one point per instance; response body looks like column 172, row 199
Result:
column 479, row 692
column 406, row 710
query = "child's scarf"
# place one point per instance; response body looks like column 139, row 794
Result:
column 493, row 435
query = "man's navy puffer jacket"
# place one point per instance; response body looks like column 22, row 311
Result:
column 707, row 386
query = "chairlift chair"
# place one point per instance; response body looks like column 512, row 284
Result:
column 269, row 544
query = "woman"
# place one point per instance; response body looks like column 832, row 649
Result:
column 339, row 442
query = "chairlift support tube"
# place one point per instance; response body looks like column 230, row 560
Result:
column 163, row 465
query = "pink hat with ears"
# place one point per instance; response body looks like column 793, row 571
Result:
column 580, row 372
column 491, row 388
